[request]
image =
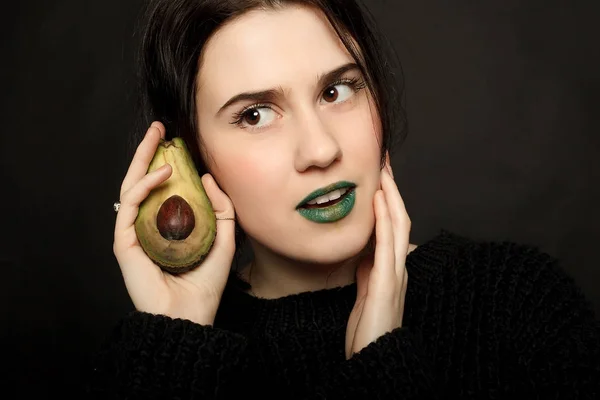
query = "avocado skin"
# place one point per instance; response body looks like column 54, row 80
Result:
column 176, row 256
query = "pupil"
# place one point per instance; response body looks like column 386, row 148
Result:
column 332, row 94
column 253, row 117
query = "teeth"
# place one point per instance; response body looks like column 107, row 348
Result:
column 336, row 194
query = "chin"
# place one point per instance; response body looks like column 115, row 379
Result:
column 326, row 256
column 332, row 247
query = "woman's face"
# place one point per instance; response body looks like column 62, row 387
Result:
column 278, row 122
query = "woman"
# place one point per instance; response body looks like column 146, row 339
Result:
column 282, row 103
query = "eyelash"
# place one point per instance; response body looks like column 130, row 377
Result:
column 356, row 84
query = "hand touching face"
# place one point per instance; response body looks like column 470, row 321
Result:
column 381, row 278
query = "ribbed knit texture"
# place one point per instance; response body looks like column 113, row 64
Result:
column 485, row 320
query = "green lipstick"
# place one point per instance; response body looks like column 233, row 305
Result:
column 324, row 213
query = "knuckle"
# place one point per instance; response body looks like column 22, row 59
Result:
column 133, row 196
column 125, row 200
column 116, row 247
column 144, row 187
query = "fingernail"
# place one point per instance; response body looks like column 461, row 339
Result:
column 210, row 179
column 149, row 130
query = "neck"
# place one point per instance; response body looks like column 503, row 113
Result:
column 275, row 276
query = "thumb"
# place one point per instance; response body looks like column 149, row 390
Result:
column 218, row 261
column 363, row 272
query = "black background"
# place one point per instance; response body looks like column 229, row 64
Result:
column 504, row 143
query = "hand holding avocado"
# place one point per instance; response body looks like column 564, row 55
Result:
column 166, row 227
column 176, row 225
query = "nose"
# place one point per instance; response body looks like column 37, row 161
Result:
column 317, row 146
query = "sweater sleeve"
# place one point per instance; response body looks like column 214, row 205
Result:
column 552, row 328
column 153, row 356
column 393, row 366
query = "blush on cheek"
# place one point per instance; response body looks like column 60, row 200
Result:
column 241, row 177
column 247, row 171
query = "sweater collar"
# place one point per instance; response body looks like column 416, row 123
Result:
column 326, row 309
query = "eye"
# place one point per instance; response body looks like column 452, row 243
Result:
column 256, row 116
column 339, row 93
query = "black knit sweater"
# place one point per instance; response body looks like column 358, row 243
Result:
column 484, row 320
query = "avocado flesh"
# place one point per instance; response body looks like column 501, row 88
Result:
column 176, row 256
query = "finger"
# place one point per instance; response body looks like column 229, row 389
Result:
column 158, row 125
column 401, row 223
column 384, row 259
column 143, row 155
column 218, row 260
column 388, row 163
column 130, row 200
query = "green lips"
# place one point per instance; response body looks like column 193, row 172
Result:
column 334, row 212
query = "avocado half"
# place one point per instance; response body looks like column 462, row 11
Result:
column 176, row 224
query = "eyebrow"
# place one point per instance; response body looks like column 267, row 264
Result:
column 269, row 95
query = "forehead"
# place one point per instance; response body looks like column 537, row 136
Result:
column 265, row 49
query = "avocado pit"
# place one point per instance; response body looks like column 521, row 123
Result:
column 175, row 219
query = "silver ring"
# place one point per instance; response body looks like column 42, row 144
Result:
column 232, row 219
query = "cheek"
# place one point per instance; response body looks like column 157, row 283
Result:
column 248, row 181
column 236, row 175
column 362, row 135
